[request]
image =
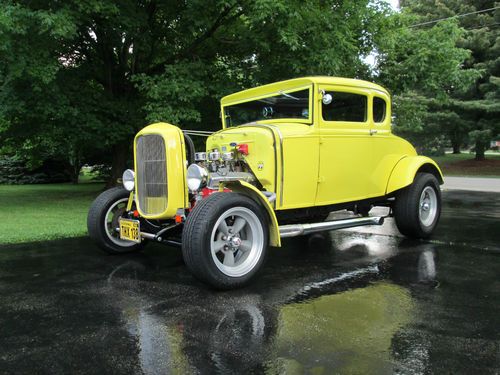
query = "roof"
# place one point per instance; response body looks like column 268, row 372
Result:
column 298, row 83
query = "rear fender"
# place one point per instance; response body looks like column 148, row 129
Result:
column 243, row 187
column 404, row 172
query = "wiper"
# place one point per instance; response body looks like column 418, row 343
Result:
column 289, row 96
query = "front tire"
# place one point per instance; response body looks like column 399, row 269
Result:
column 224, row 241
column 102, row 221
column 418, row 207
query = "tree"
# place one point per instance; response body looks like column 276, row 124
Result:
column 79, row 78
column 478, row 106
column 423, row 68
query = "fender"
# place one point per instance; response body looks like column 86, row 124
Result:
column 243, row 187
column 404, row 172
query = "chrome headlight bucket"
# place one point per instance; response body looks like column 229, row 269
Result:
column 128, row 179
column 196, row 175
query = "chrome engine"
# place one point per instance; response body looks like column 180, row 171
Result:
column 213, row 167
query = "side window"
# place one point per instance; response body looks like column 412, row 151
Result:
column 379, row 109
column 345, row 106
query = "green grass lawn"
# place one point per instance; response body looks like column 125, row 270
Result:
column 42, row 212
column 87, row 175
column 465, row 165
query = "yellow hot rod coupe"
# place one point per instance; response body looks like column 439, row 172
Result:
column 288, row 154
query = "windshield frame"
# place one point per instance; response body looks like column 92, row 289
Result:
column 308, row 121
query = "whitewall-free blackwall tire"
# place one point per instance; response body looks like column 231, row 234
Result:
column 102, row 222
column 225, row 238
column 418, row 207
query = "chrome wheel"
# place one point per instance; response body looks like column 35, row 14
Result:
column 237, row 241
column 112, row 225
column 428, row 206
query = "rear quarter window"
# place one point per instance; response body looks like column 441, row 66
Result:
column 379, row 109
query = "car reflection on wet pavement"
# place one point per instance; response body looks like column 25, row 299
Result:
column 363, row 300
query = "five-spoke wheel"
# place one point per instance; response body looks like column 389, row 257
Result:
column 224, row 240
column 237, row 241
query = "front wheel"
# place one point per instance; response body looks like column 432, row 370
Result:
column 103, row 222
column 418, row 207
column 224, row 241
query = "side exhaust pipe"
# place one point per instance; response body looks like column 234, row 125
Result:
column 294, row 230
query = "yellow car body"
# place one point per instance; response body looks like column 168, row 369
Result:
column 306, row 162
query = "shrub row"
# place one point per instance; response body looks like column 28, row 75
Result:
column 14, row 170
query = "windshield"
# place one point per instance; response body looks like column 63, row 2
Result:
column 291, row 105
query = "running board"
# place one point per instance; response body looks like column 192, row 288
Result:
column 294, row 230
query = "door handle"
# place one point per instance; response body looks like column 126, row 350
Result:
column 373, row 131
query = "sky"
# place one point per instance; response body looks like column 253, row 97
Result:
column 394, row 3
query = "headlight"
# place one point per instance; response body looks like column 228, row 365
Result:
column 195, row 176
column 128, row 179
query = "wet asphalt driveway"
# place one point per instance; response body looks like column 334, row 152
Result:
column 360, row 301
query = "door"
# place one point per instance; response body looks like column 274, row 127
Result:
column 346, row 161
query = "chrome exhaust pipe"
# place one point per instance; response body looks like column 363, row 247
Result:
column 155, row 237
column 148, row 236
column 294, row 230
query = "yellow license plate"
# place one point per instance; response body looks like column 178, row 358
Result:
column 130, row 230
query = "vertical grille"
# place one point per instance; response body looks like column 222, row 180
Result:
column 151, row 174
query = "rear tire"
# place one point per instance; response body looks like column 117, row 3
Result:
column 418, row 207
column 224, row 241
column 102, row 220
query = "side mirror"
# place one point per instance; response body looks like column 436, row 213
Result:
column 327, row 99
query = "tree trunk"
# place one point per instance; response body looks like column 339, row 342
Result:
column 75, row 173
column 75, row 165
column 480, row 148
column 118, row 164
column 456, row 148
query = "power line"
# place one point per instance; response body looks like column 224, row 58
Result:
column 483, row 26
column 456, row 16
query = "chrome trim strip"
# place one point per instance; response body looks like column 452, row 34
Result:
column 271, row 127
column 199, row 133
column 282, row 162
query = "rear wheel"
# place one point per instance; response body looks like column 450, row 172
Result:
column 418, row 207
column 103, row 222
column 224, row 242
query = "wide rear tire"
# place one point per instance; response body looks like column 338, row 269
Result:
column 102, row 220
column 418, row 207
column 224, row 241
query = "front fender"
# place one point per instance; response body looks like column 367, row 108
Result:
column 404, row 172
column 243, row 187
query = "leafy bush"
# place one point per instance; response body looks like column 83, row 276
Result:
column 14, row 170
